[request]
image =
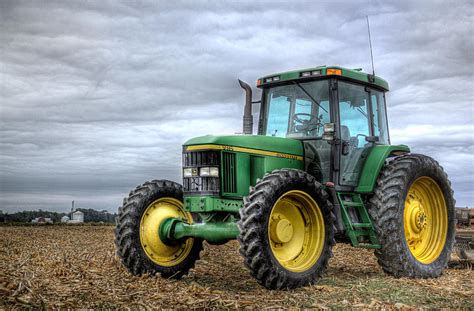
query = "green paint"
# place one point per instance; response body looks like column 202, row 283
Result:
column 346, row 72
column 266, row 143
column 173, row 229
column 251, row 167
column 257, row 168
column 241, row 172
column 199, row 204
column 374, row 163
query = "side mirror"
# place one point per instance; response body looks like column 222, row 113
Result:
column 329, row 131
column 372, row 139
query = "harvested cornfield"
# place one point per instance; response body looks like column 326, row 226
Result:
column 75, row 266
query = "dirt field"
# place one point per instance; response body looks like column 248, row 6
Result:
column 59, row 266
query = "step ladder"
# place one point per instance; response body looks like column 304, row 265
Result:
column 362, row 233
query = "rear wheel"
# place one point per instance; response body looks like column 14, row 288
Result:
column 414, row 215
column 139, row 246
column 286, row 230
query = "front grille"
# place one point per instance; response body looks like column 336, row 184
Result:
column 229, row 172
column 201, row 185
column 200, row 158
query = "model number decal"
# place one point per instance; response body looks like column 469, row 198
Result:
column 287, row 156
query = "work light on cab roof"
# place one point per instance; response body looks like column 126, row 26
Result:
column 355, row 74
column 320, row 170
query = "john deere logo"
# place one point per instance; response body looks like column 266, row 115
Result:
column 194, row 172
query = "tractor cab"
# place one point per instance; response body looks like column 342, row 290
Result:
column 334, row 111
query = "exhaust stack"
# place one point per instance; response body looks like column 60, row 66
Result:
column 248, row 118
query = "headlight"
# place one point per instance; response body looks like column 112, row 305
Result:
column 209, row 171
column 214, row 172
column 204, row 171
column 187, row 172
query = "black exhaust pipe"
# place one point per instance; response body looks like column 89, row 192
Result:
column 248, row 118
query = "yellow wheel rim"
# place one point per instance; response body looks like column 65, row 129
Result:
column 296, row 231
column 155, row 249
column 425, row 220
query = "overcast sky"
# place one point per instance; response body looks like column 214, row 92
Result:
column 97, row 97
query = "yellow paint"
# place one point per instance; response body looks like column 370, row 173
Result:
column 296, row 231
column 281, row 230
column 247, row 150
column 425, row 220
column 155, row 249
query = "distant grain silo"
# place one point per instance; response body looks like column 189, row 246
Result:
column 78, row 216
column 64, row 219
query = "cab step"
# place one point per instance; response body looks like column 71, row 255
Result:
column 359, row 227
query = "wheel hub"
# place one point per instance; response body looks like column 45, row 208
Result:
column 281, row 230
column 421, row 220
column 417, row 215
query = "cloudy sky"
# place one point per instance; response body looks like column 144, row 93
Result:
column 98, row 96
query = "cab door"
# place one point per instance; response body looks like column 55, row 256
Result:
column 355, row 128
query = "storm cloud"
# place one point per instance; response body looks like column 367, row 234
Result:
column 98, row 96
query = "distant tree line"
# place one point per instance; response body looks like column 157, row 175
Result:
column 90, row 215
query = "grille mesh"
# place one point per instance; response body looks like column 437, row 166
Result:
column 229, row 172
column 201, row 184
column 200, row 158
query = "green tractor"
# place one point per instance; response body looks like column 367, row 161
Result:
column 320, row 170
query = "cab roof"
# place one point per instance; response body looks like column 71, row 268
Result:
column 311, row 73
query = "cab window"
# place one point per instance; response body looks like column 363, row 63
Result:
column 298, row 109
column 379, row 116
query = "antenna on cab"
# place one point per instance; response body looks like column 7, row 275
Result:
column 370, row 45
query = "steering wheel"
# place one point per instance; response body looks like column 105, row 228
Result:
column 305, row 125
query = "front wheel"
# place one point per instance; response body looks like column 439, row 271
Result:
column 138, row 243
column 286, row 230
column 414, row 216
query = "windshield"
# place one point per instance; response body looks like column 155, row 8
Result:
column 298, row 109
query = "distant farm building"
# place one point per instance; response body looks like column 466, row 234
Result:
column 77, row 217
column 42, row 220
column 64, row 219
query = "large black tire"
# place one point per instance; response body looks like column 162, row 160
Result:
column 387, row 206
column 127, row 232
column 254, row 237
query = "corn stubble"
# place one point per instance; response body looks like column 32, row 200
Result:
column 76, row 266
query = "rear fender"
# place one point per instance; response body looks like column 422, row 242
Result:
column 374, row 163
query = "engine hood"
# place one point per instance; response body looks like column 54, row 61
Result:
column 265, row 143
